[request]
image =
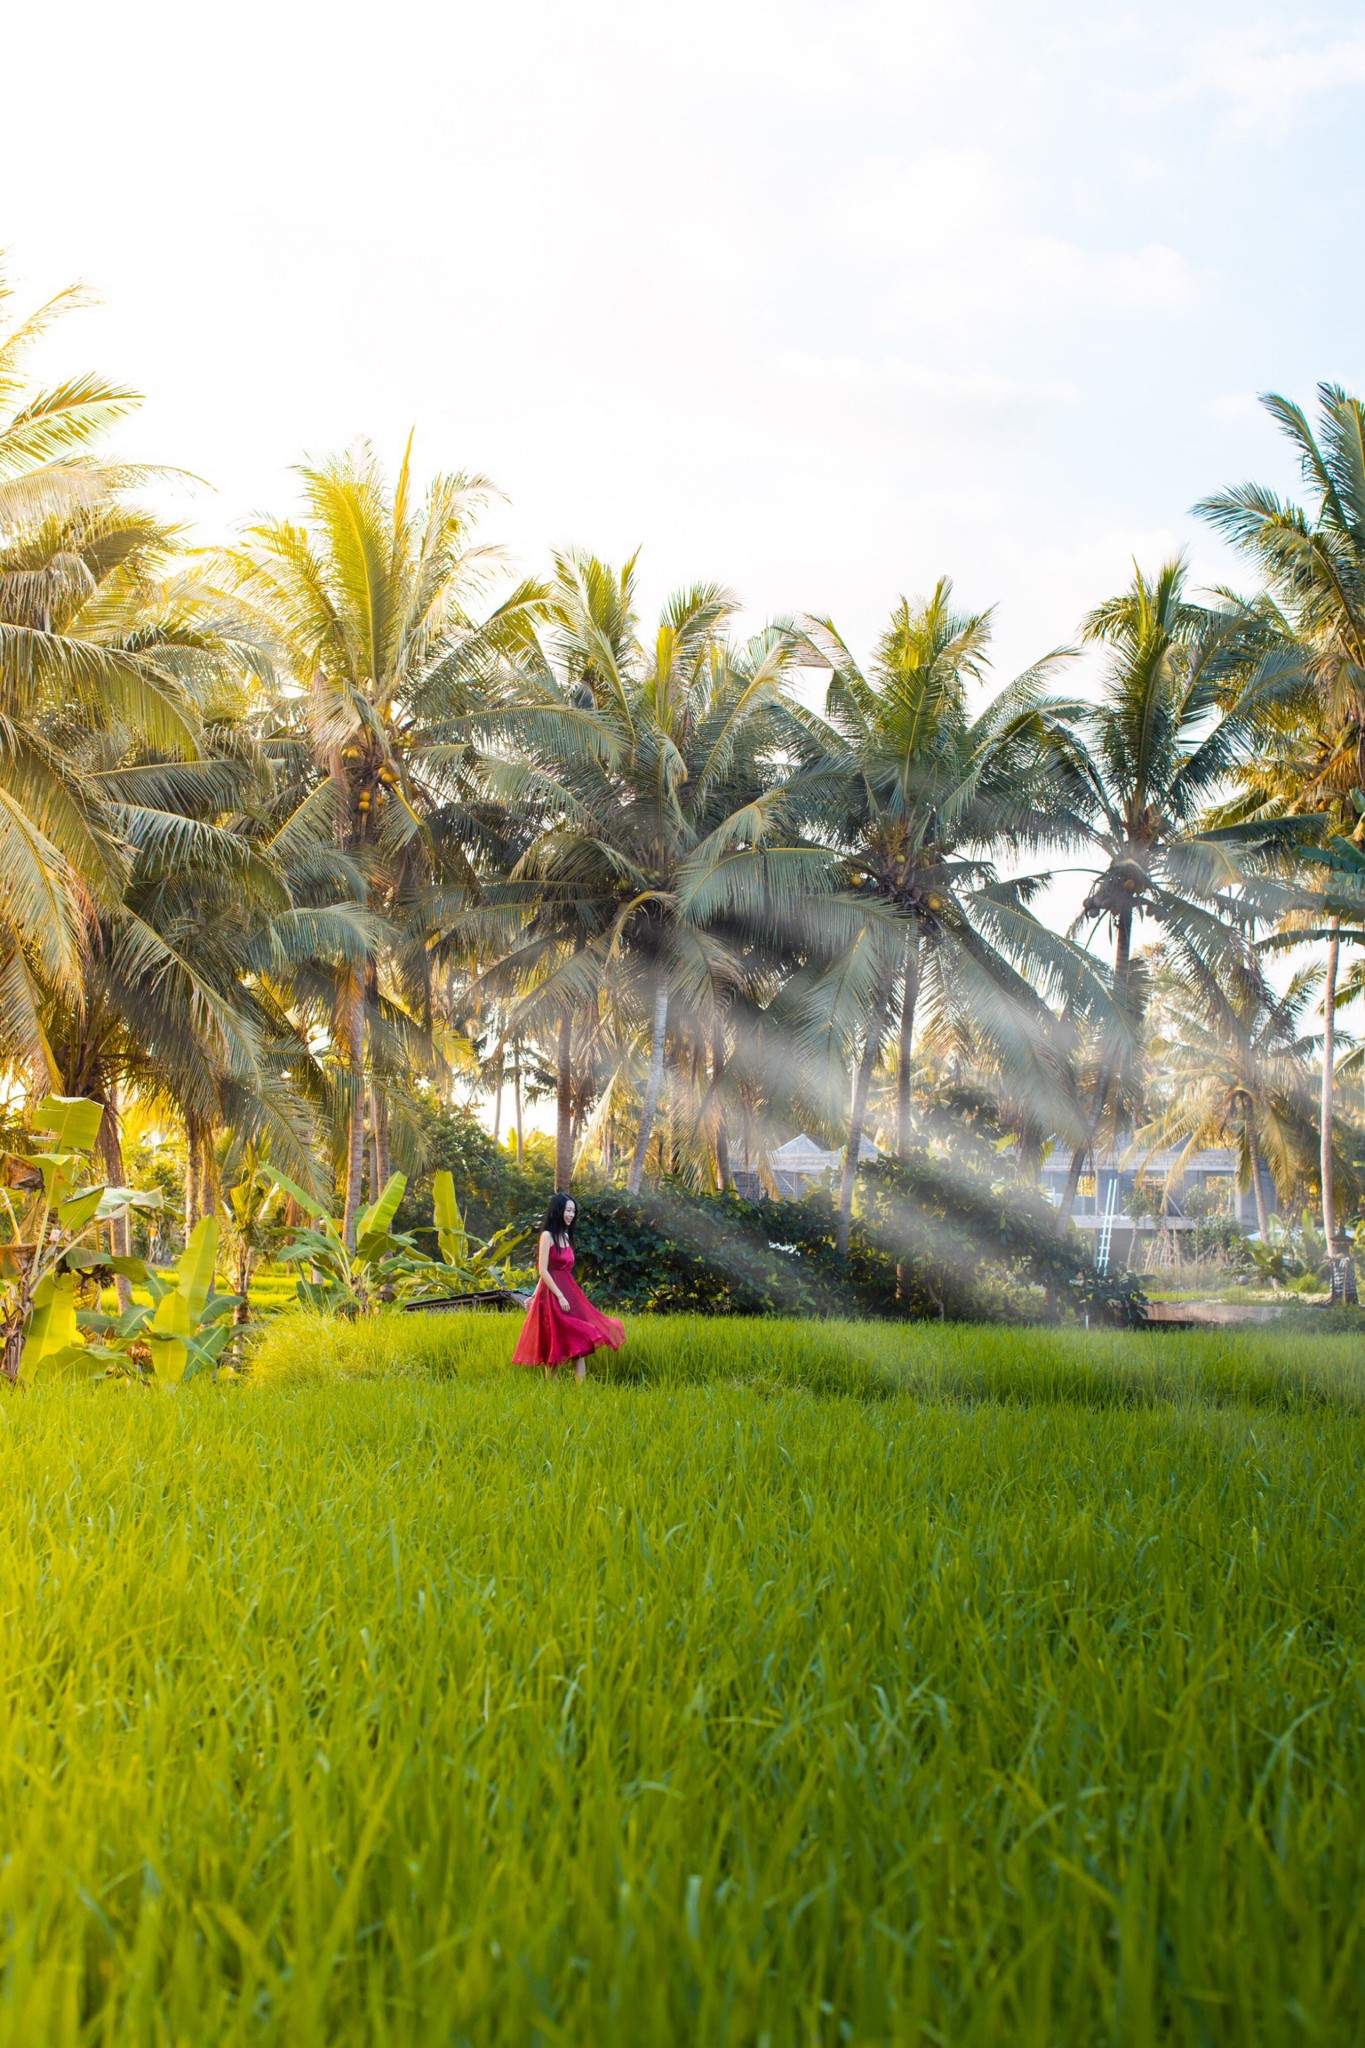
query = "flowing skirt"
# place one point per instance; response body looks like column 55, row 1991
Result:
column 550, row 1334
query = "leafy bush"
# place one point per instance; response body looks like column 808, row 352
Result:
column 937, row 1237
column 949, row 1235
column 51, row 1270
column 1216, row 1233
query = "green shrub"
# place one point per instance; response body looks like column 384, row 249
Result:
column 949, row 1234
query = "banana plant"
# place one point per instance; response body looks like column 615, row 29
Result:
column 256, row 1228
column 343, row 1282
column 183, row 1328
column 1285, row 1253
column 47, row 1215
column 190, row 1328
column 389, row 1265
column 465, row 1261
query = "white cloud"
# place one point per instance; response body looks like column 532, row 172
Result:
column 1269, row 79
column 1238, row 406
column 820, row 297
column 945, row 229
column 891, row 378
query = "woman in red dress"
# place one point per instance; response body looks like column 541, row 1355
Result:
column 561, row 1322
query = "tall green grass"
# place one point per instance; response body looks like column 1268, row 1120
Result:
column 821, row 1686
column 1261, row 1366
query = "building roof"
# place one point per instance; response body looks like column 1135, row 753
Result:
column 1155, row 1165
column 802, row 1155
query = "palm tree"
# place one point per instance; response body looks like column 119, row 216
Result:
column 369, row 604
column 1233, row 1057
column 920, row 799
column 1144, row 766
column 1313, row 562
column 532, row 938
column 65, row 539
column 659, row 774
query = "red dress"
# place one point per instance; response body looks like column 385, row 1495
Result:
column 551, row 1334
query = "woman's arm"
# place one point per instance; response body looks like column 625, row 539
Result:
column 546, row 1241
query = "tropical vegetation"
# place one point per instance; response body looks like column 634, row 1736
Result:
column 308, row 837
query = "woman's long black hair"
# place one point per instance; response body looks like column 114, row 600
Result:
column 561, row 1233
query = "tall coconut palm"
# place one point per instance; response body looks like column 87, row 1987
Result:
column 922, row 800
column 192, row 991
column 535, row 938
column 369, row 601
column 1233, row 1058
column 659, row 771
column 64, row 537
column 1313, row 561
column 1145, row 764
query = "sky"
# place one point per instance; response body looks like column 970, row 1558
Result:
column 821, row 300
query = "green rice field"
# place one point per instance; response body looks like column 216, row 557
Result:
column 784, row 1684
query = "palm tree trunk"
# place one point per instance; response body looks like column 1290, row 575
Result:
column 497, row 1104
column 1254, row 1154
column 208, row 1178
column 564, row 1104
column 1329, row 1046
column 516, row 1094
column 1123, row 957
column 908, row 1002
column 723, row 1180
column 1030, row 1154
column 867, row 1066
column 191, row 1173
column 1079, row 1153
column 355, row 1133
column 380, row 1164
column 116, row 1173
column 653, row 1083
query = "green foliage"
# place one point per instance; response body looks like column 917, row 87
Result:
column 160, row 1170
column 186, row 1334
column 466, row 1263
column 1290, row 1253
column 491, row 1189
column 45, row 1252
column 720, row 1705
column 389, row 1264
column 1217, row 1233
column 183, row 1327
column 940, row 1236
column 341, row 1280
column 950, row 1235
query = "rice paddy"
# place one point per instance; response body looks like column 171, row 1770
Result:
column 785, row 1684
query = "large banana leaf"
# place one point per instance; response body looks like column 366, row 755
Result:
column 89, row 1259
column 77, row 1210
column 59, row 1171
column 375, row 1221
column 451, row 1234
column 206, row 1349
column 71, row 1122
column 309, row 1204
column 113, row 1200
column 180, row 1312
column 52, row 1325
